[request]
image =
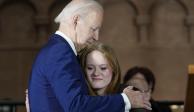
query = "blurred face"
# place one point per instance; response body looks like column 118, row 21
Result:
column 88, row 28
column 98, row 70
column 139, row 81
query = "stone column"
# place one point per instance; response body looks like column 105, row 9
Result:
column 42, row 26
column 143, row 22
column 42, row 19
column 190, row 24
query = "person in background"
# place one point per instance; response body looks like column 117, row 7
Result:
column 143, row 79
column 56, row 81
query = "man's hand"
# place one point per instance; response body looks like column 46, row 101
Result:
column 137, row 98
column 27, row 101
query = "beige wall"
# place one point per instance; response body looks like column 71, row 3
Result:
column 158, row 34
column 153, row 33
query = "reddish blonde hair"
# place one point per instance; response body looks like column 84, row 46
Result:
column 113, row 86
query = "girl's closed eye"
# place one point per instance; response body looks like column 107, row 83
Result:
column 89, row 68
column 103, row 68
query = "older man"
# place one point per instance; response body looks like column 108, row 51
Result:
column 57, row 83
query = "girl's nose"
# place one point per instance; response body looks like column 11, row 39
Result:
column 97, row 72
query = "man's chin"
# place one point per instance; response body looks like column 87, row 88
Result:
column 81, row 46
column 84, row 45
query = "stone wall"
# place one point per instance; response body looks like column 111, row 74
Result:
column 158, row 34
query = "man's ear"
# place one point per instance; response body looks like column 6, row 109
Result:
column 75, row 20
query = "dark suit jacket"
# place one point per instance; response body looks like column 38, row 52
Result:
column 57, row 83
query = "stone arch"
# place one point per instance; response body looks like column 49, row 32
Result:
column 133, row 6
column 119, row 29
column 54, row 10
column 4, row 3
column 185, row 8
column 17, row 17
column 168, row 27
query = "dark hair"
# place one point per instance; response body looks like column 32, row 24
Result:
column 147, row 73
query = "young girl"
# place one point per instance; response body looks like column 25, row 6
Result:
column 101, row 67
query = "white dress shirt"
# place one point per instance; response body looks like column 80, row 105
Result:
column 69, row 41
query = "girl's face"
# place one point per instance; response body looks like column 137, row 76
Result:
column 98, row 70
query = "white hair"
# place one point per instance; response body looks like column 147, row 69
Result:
column 80, row 7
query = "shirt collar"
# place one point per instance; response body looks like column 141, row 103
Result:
column 69, row 41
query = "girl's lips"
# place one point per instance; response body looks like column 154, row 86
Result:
column 96, row 78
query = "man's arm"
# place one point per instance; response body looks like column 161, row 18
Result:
column 68, row 83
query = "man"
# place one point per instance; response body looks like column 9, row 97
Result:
column 57, row 83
